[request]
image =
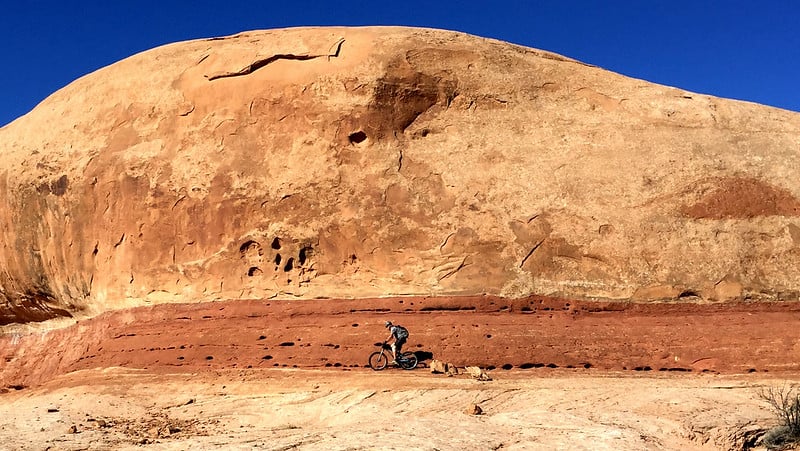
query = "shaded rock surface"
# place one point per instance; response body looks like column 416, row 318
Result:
column 357, row 162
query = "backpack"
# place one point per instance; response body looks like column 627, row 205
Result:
column 400, row 332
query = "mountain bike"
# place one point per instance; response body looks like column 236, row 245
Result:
column 378, row 360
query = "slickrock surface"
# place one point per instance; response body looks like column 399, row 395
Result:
column 393, row 409
column 366, row 162
column 537, row 335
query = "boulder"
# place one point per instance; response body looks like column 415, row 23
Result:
column 477, row 373
column 361, row 162
column 438, row 367
column 451, row 370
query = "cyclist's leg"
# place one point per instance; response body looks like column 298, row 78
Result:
column 398, row 351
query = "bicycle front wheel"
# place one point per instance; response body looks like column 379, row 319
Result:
column 409, row 361
column 378, row 360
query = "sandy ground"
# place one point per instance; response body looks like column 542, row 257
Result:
column 293, row 375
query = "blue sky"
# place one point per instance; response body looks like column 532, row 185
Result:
column 748, row 50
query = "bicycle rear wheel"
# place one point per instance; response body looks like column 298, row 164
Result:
column 378, row 360
column 409, row 361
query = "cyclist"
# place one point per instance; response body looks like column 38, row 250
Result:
column 400, row 335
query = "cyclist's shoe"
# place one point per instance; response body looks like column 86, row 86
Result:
column 394, row 362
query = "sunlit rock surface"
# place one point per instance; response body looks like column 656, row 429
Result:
column 363, row 162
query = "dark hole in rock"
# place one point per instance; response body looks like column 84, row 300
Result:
column 289, row 265
column 266, row 357
column 287, row 343
column 262, row 337
column 180, row 358
column 587, row 365
column 527, row 366
column 491, row 367
column 688, row 294
column 304, row 254
column 337, row 364
column 276, row 243
column 247, row 245
column 209, row 357
column 355, row 324
column 552, row 365
column 507, row 366
column 525, row 309
column 253, row 271
column 328, row 365
column 277, row 259
column 357, row 137
column 642, row 368
column 488, row 335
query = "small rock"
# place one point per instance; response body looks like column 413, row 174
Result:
column 451, row 370
column 73, row 429
column 438, row 367
column 477, row 373
column 474, row 409
column 52, row 410
column 102, row 423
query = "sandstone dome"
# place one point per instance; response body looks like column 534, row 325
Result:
column 385, row 161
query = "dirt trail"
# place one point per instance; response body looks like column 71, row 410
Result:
column 532, row 334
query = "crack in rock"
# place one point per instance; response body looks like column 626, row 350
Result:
column 258, row 64
column 522, row 264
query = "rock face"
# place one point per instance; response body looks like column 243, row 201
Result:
column 355, row 162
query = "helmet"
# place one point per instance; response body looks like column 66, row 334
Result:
column 388, row 324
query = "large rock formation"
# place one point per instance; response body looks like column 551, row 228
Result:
column 350, row 162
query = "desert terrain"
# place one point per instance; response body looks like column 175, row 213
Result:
column 282, row 409
column 272, row 374
column 199, row 246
